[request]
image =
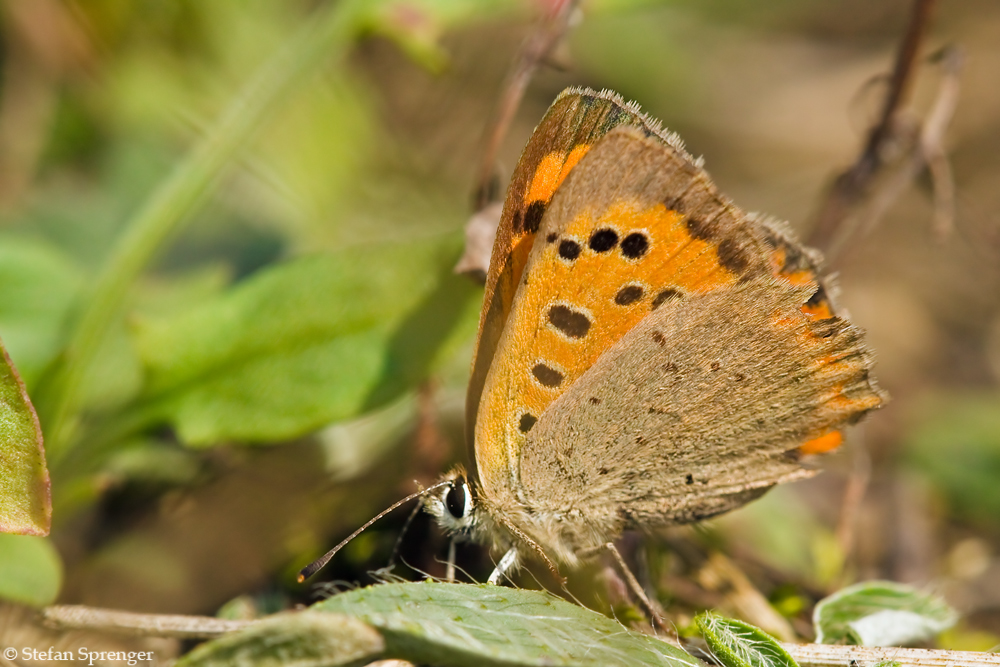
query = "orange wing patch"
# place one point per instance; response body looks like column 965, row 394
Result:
column 824, row 443
column 551, row 172
column 588, row 287
column 791, row 264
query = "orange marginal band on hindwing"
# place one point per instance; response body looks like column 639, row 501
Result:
column 576, row 120
column 801, row 266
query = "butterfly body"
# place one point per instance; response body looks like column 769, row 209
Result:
column 648, row 354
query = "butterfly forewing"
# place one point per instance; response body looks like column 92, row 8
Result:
column 576, row 120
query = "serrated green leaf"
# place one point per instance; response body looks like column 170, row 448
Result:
column 739, row 644
column 881, row 613
column 30, row 570
column 25, row 494
column 462, row 624
column 305, row 343
column 302, row 639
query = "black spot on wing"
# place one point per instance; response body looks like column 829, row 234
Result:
column 547, row 376
column 732, row 256
column 569, row 249
column 635, row 245
column 664, row 295
column 603, row 240
column 570, row 322
column 628, row 295
column 700, row 229
column 533, row 216
column 527, row 421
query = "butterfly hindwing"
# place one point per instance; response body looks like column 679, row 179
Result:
column 695, row 411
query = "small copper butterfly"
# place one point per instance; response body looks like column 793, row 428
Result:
column 648, row 353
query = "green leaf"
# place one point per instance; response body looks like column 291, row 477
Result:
column 462, row 624
column 304, row 344
column 38, row 284
column 881, row 613
column 326, row 34
column 30, row 570
column 25, row 497
column 302, row 639
column 739, row 644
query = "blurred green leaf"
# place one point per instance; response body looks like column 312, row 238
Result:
column 313, row 157
column 151, row 461
column 462, row 624
column 305, row 343
column 25, row 497
column 881, row 613
column 30, row 570
column 302, row 639
column 324, row 35
column 739, row 644
column 955, row 443
column 38, row 284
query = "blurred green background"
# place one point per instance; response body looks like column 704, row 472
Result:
column 287, row 350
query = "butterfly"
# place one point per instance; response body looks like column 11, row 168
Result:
column 648, row 354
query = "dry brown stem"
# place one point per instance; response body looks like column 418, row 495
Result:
column 853, row 185
column 79, row 617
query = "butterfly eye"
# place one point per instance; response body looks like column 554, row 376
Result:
column 458, row 500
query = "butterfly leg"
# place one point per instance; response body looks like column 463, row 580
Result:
column 449, row 573
column 638, row 592
column 508, row 562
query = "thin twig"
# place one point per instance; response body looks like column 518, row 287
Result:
column 81, row 617
column 655, row 618
column 925, row 150
column 829, row 655
column 481, row 230
column 932, row 142
column 854, row 494
column 535, row 50
column 723, row 576
column 852, row 185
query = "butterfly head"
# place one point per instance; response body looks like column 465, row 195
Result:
column 454, row 504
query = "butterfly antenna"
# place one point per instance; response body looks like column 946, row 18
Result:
column 315, row 566
column 399, row 540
